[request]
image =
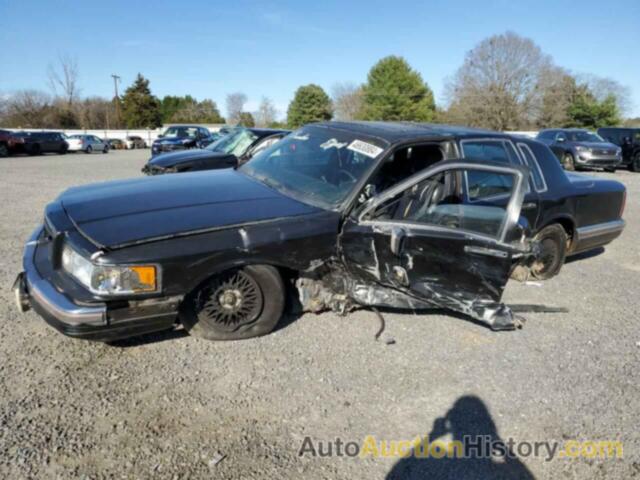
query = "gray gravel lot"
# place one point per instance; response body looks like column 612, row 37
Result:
column 166, row 405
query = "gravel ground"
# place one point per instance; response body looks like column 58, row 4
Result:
column 169, row 405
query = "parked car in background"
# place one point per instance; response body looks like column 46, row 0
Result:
column 115, row 143
column 87, row 144
column 628, row 139
column 181, row 137
column 10, row 143
column 577, row 149
column 230, row 150
column 35, row 143
column 134, row 141
column 342, row 215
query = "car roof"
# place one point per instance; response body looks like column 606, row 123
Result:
column 267, row 131
column 394, row 132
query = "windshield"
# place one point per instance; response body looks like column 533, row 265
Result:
column 236, row 143
column 584, row 137
column 178, row 132
column 317, row 165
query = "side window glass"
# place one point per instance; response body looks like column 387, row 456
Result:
column 491, row 151
column 536, row 172
column 449, row 200
column 561, row 137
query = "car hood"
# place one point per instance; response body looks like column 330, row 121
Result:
column 120, row 213
column 598, row 145
column 175, row 158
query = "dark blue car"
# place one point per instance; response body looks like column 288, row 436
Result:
column 182, row 137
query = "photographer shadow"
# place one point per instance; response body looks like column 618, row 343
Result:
column 468, row 418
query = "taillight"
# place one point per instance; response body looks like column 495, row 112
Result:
column 624, row 203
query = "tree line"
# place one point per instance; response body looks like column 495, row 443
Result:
column 506, row 82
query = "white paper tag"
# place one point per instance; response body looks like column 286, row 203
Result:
column 365, row 148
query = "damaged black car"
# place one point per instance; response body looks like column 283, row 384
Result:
column 344, row 215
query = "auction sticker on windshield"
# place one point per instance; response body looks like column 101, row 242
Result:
column 365, row 148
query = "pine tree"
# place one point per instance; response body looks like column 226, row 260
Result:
column 394, row 91
column 140, row 108
column 310, row 104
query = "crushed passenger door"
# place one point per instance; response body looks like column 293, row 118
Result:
column 440, row 239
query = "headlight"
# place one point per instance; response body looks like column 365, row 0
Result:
column 110, row 279
column 583, row 149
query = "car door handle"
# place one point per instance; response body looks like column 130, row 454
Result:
column 491, row 252
column 529, row 206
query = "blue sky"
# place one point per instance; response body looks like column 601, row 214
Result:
column 212, row 48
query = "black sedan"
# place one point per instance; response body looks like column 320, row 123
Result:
column 231, row 150
column 345, row 215
column 182, row 137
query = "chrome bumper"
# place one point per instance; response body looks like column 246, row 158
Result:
column 94, row 322
column 31, row 290
column 598, row 235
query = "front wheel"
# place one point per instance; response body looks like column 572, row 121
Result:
column 235, row 304
column 568, row 162
column 553, row 245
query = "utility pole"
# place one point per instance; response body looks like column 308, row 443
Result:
column 116, row 79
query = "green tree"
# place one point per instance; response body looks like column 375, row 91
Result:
column 140, row 108
column 246, row 120
column 394, row 91
column 585, row 111
column 310, row 104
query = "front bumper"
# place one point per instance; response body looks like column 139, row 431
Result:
column 97, row 321
column 599, row 161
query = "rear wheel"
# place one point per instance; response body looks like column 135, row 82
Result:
column 235, row 304
column 553, row 244
column 568, row 162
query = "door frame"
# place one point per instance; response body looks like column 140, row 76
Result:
column 512, row 212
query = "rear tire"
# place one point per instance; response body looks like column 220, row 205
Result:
column 553, row 242
column 235, row 304
column 568, row 162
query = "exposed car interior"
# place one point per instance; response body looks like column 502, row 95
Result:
column 456, row 199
